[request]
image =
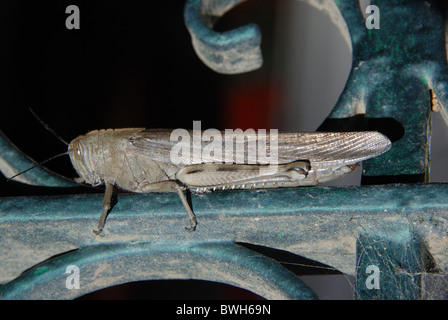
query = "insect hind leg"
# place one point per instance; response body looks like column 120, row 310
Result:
column 214, row 176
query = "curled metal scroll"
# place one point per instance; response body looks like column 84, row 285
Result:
column 399, row 71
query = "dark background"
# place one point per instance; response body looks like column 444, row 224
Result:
column 131, row 64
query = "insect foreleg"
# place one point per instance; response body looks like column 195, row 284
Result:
column 106, row 207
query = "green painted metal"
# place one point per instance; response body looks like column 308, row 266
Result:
column 13, row 161
column 116, row 263
column 230, row 52
column 398, row 258
column 393, row 70
column 401, row 228
column 399, row 74
column 322, row 224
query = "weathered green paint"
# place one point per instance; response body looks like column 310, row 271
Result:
column 116, row 263
column 393, row 69
column 322, row 224
column 401, row 228
column 13, row 161
column 401, row 260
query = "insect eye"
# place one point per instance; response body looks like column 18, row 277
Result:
column 78, row 151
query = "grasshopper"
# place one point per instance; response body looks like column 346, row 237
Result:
column 140, row 160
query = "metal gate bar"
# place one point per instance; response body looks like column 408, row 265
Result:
column 389, row 235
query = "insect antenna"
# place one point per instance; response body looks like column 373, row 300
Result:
column 48, row 128
column 37, row 165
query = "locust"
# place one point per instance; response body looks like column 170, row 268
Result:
column 141, row 160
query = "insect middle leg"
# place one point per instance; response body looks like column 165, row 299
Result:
column 173, row 186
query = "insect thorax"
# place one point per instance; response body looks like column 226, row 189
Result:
column 99, row 155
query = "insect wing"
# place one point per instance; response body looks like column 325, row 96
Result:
column 322, row 148
column 332, row 148
column 234, row 147
column 153, row 143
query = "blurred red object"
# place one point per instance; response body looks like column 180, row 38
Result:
column 250, row 105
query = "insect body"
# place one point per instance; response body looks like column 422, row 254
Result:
column 141, row 160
